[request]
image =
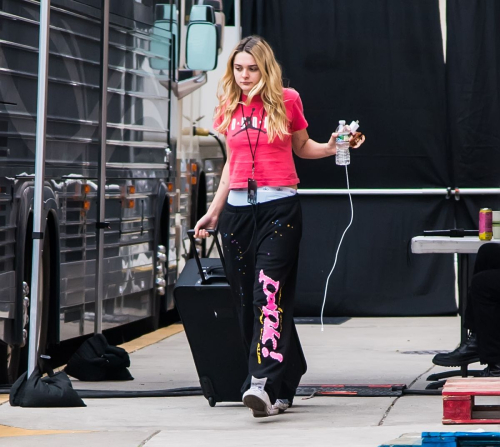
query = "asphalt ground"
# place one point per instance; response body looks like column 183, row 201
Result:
column 372, row 351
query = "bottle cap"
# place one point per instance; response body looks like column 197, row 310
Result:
column 342, row 122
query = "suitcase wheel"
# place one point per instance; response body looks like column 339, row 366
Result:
column 211, row 401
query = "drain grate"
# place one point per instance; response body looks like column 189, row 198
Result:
column 350, row 390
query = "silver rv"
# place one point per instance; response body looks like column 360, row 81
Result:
column 158, row 177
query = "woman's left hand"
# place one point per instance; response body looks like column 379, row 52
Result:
column 332, row 147
column 355, row 141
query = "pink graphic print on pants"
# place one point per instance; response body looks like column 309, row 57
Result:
column 271, row 314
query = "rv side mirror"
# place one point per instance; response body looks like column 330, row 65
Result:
column 164, row 35
column 201, row 46
column 161, row 40
column 200, row 13
column 220, row 18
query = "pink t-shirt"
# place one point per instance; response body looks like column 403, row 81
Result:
column 274, row 164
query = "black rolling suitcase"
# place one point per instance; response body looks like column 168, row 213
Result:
column 203, row 299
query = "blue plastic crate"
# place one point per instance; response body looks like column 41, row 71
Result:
column 461, row 439
column 447, row 439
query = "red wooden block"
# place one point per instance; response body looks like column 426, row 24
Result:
column 458, row 401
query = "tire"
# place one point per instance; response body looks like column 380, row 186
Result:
column 163, row 238
column 9, row 356
column 14, row 359
column 198, row 210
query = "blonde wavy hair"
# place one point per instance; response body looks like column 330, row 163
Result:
column 270, row 88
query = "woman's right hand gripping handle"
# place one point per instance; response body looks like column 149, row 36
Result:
column 207, row 222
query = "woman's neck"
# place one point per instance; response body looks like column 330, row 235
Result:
column 255, row 99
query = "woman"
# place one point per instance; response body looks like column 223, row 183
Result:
column 261, row 225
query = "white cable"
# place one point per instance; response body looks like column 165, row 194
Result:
column 338, row 248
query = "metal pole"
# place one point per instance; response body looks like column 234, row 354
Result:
column 399, row 192
column 41, row 127
column 103, row 120
column 444, row 26
column 237, row 18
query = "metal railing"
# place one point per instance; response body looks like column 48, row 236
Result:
column 448, row 192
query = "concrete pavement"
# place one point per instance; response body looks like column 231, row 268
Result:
column 358, row 351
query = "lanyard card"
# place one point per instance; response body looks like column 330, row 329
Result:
column 252, row 191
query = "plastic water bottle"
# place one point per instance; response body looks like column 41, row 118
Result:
column 343, row 157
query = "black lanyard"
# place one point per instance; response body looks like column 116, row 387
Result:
column 253, row 151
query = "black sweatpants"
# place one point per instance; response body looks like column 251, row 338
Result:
column 482, row 314
column 261, row 247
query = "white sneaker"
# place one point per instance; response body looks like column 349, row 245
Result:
column 257, row 399
column 281, row 405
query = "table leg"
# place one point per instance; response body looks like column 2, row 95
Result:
column 463, row 287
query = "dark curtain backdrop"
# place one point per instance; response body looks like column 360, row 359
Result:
column 473, row 93
column 376, row 274
column 427, row 124
column 473, row 85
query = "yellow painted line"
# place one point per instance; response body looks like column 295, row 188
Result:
column 7, row 432
column 152, row 338
column 131, row 346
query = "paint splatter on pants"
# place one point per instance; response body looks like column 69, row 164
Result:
column 261, row 247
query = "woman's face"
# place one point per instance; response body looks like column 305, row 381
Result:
column 246, row 72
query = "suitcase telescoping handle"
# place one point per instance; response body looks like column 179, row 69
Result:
column 214, row 234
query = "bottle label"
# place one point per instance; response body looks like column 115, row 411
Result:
column 342, row 138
